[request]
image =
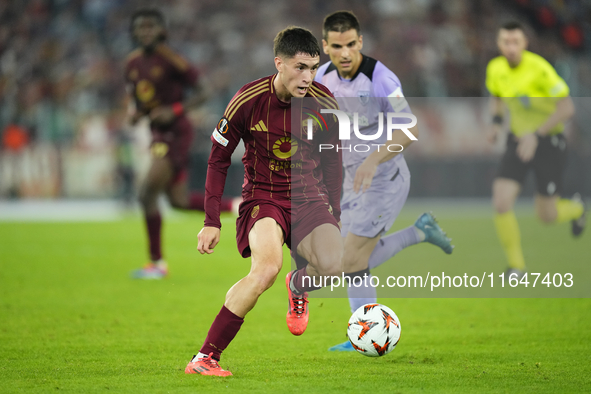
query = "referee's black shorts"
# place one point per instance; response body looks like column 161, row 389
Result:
column 548, row 163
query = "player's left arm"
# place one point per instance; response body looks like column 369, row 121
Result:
column 388, row 87
column 565, row 109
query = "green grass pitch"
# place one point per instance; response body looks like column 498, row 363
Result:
column 71, row 320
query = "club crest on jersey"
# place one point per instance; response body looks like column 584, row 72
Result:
column 363, row 96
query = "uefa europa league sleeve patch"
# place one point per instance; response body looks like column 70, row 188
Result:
column 221, row 128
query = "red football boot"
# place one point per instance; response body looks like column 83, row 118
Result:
column 297, row 314
column 206, row 366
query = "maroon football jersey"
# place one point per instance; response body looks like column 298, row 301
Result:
column 159, row 78
column 279, row 165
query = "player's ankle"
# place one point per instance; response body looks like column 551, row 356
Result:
column 420, row 234
column 198, row 356
column 160, row 263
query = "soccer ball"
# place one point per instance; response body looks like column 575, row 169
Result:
column 374, row 330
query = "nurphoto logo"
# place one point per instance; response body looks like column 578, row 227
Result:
column 344, row 122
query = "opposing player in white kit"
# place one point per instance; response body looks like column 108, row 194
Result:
column 365, row 86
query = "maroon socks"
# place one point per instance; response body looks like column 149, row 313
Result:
column 224, row 328
column 154, row 225
column 302, row 282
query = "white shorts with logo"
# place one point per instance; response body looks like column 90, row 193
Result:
column 373, row 213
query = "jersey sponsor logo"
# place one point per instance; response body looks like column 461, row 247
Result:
column 363, row 96
column 285, row 148
column 255, row 212
column 222, row 126
column 220, row 138
column 159, row 149
column 259, row 127
column 145, row 90
column 275, row 165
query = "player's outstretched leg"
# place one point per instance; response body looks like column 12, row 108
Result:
column 206, row 365
column 265, row 240
column 433, row 233
column 322, row 248
column 553, row 209
column 360, row 292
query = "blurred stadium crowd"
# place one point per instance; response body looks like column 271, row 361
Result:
column 62, row 95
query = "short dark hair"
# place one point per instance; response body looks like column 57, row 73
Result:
column 512, row 25
column 340, row 21
column 293, row 40
column 148, row 13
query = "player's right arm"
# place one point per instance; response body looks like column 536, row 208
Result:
column 386, row 84
column 133, row 110
column 225, row 138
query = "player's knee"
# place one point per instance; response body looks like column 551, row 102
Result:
column 264, row 278
column 546, row 216
column 147, row 196
column 501, row 205
column 143, row 198
column 330, row 264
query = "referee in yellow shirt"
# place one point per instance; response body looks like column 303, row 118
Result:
column 539, row 103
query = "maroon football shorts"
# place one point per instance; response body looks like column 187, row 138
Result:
column 174, row 144
column 296, row 221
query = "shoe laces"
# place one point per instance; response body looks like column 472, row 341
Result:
column 299, row 303
column 210, row 361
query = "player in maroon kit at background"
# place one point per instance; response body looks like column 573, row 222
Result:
column 157, row 77
column 291, row 192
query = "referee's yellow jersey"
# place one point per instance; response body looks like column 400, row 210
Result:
column 529, row 90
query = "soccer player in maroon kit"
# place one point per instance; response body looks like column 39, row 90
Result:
column 157, row 77
column 291, row 192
